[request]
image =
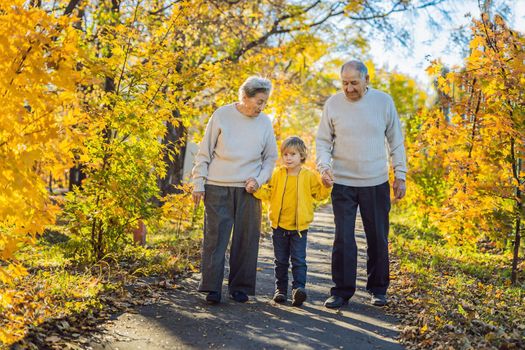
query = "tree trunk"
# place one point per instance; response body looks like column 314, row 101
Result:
column 97, row 230
column 76, row 175
column 517, row 230
column 515, row 257
column 175, row 143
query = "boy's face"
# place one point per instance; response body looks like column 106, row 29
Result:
column 291, row 158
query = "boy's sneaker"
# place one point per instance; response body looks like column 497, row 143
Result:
column 239, row 296
column 279, row 297
column 378, row 300
column 298, row 296
column 213, row 298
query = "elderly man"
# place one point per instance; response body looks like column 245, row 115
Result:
column 352, row 155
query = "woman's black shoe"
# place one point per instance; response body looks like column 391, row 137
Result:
column 240, row 297
column 213, row 298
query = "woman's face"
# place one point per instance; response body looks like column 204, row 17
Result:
column 252, row 106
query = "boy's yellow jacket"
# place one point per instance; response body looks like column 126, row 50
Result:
column 309, row 189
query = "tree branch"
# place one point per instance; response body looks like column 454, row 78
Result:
column 162, row 9
column 71, row 6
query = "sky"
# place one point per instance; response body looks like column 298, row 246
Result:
column 435, row 44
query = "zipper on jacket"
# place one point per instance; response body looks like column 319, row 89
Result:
column 282, row 199
column 297, row 205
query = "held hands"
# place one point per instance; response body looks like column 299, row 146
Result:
column 197, row 197
column 400, row 188
column 251, row 185
column 327, row 178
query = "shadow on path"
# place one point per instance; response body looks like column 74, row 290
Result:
column 182, row 320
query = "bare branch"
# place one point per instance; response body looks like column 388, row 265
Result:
column 162, row 9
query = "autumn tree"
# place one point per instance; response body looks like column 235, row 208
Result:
column 478, row 149
column 133, row 95
column 38, row 94
column 157, row 67
column 153, row 68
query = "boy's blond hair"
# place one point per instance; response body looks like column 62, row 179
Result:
column 297, row 144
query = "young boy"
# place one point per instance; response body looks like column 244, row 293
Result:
column 291, row 192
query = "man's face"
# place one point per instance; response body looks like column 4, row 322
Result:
column 354, row 86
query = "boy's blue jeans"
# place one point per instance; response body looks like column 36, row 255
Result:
column 289, row 245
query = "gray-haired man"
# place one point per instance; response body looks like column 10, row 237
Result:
column 352, row 155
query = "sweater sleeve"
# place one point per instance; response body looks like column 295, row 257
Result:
column 395, row 140
column 318, row 190
column 269, row 157
column 264, row 193
column 324, row 142
column 205, row 154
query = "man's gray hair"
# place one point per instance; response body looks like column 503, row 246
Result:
column 254, row 85
column 357, row 65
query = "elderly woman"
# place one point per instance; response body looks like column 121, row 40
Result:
column 236, row 156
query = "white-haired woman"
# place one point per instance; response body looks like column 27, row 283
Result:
column 236, row 156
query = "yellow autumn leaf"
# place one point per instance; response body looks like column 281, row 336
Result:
column 434, row 69
column 423, row 329
column 476, row 42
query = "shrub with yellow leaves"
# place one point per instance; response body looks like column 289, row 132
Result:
column 466, row 160
column 38, row 64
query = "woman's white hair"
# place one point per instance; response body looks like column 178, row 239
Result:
column 254, row 85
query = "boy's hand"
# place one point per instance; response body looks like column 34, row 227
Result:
column 251, row 185
column 328, row 178
column 197, row 197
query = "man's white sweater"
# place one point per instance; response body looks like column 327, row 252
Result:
column 234, row 148
column 354, row 139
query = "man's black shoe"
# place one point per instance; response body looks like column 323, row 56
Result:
column 335, row 302
column 378, row 300
column 213, row 298
column 240, row 297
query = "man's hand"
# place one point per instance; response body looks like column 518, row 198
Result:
column 328, row 178
column 197, row 197
column 400, row 188
column 251, row 185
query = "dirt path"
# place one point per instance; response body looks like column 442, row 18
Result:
column 181, row 319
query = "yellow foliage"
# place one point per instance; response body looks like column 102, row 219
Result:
column 476, row 42
column 38, row 63
column 39, row 297
column 465, row 163
column 354, row 6
column 434, row 68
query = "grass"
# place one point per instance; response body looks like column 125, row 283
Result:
column 453, row 296
column 58, row 287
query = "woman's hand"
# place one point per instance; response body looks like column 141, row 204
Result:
column 251, row 185
column 197, row 197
